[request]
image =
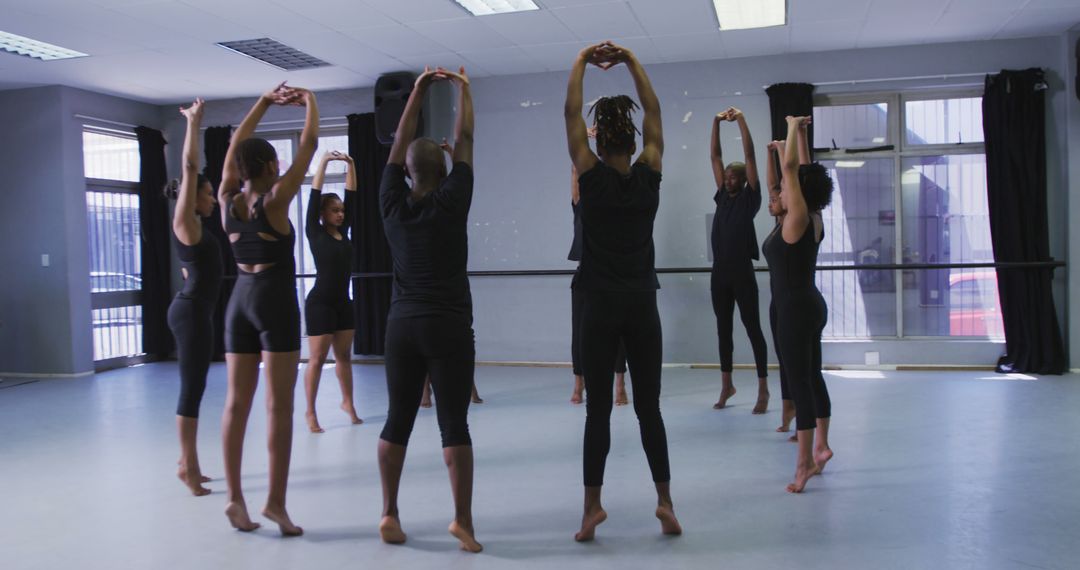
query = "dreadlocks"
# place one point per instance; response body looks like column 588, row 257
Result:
column 615, row 129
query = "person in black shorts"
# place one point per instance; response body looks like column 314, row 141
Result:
column 328, row 311
column 262, row 319
column 734, row 245
column 618, row 204
column 192, row 311
column 800, row 311
column 429, row 328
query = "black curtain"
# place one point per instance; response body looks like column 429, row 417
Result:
column 795, row 99
column 155, row 227
column 1015, row 131
column 215, row 145
column 372, row 303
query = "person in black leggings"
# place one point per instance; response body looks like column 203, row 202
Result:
column 262, row 319
column 429, row 328
column 619, row 199
column 577, row 300
column 191, row 312
column 792, row 256
column 734, row 246
column 328, row 311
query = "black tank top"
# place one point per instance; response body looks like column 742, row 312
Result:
column 203, row 264
column 333, row 257
column 575, row 246
column 791, row 266
column 251, row 248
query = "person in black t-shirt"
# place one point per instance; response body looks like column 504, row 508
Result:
column 429, row 328
column 619, row 199
column 734, row 245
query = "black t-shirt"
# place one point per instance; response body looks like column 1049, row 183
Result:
column 617, row 214
column 333, row 257
column 734, row 241
column 429, row 243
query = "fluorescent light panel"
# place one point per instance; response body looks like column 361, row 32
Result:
column 850, row 163
column 746, row 14
column 33, row 48
column 488, row 7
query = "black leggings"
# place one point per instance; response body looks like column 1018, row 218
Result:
column 444, row 348
column 784, row 392
column 801, row 317
column 191, row 322
column 263, row 313
column 731, row 286
column 606, row 317
column 577, row 300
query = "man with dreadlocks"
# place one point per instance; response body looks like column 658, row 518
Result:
column 617, row 276
column 734, row 247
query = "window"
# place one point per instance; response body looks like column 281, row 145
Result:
column 910, row 187
column 111, row 168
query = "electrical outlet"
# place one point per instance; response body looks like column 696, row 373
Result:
column 44, row 260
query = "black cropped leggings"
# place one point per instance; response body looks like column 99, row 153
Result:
column 444, row 348
column 737, row 285
column 608, row 316
column 191, row 322
column 801, row 317
column 577, row 301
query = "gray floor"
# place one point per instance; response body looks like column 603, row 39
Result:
column 941, row 470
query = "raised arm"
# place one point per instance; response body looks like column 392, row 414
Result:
column 652, row 128
column 577, row 135
column 288, row 185
column 797, row 214
column 350, row 191
column 772, row 175
column 230, row 174
column 406, row 130
column 749, row 156
column 463, row 128
column 804, row 144
column 186, row 225
column 716, row 153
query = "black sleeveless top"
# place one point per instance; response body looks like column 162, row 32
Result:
column 791, row 266
column 204, row 269
column 251, row 248
column 575, row 246
column 333, row 257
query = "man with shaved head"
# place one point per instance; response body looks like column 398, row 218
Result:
column 429, row 329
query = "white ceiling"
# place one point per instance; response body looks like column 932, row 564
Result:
column 163, row 51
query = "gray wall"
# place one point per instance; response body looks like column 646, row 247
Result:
column 45, row 318
column 1072, row 169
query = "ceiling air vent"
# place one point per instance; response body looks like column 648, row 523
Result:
column 275, row 53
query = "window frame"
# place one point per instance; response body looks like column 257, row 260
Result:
column 896, row 124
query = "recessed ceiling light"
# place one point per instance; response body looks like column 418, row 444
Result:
column 850, row 163
column 33, row 48
column 745, row 14
column 488, row 7
column 275, row 53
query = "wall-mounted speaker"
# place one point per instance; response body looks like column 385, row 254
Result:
column 391, row 93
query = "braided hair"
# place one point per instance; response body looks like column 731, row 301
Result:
column 615, row 129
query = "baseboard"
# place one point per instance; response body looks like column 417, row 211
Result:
column 36, row 375
column 713, row 366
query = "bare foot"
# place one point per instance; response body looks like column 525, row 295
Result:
column 425, row 402
column 191, row 477
column 822, row 457
column 802, row 475
column 589, row 522
column 576, row 398
column 725, row 394
column 313, row 422
column 668, row 523
column 279, row 516
column 621, row 399
column 762, row 404
column 477, row 399
column 205, row 479
column 390, row 531
column 787, row 415
column 350, row 411
column 238, row 517
column 793, row 439
column 465, row 535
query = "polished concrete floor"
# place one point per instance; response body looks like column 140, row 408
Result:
column 932, row 470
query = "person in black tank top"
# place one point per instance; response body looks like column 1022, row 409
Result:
column 800, row 312
column 734, row 247
column 429, row 327
column 262, row 320
column 618, row 204
column 328, row 311
column 576, row 303
column 191, row 312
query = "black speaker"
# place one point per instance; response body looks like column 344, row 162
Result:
column 391, row 93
